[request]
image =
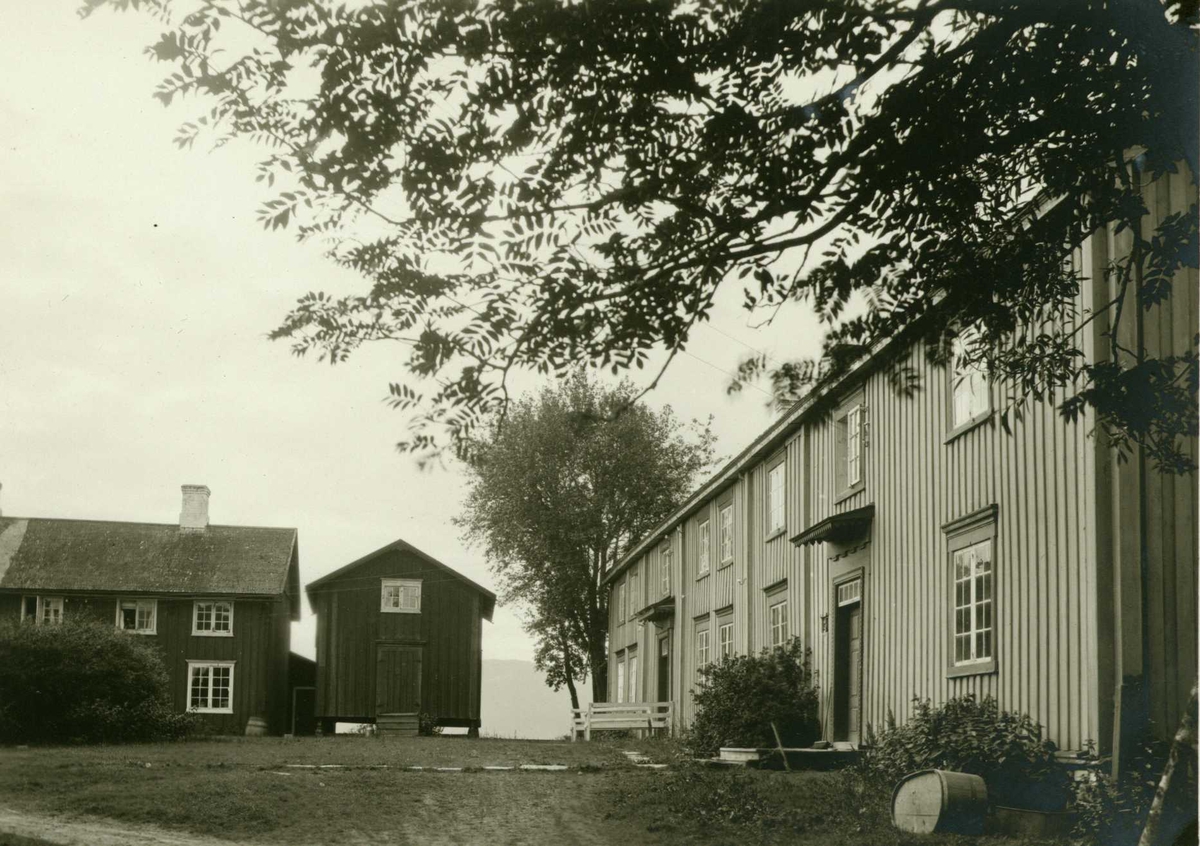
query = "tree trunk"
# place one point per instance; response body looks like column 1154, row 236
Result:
column 569, row 671
column 599, row 662
column 1185, row 737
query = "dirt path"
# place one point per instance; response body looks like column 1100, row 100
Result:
column 60, row 831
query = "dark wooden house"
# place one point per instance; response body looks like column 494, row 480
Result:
column 218, row 601
column 399, row 633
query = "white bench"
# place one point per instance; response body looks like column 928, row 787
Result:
column 617, row 716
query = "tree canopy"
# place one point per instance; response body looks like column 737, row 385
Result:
column 557, row 493
column 530, row 184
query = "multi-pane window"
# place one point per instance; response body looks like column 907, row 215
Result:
column 705, row 547
column 621, row 602
column 621, row 679
column 779, row 623
column 973, row 601
column 401, row 596
column 46, row 610
column 702, row 651
column 854, row 446
column 970, row 398
column 137, row 615
column 664, row 567
column 850, row 430
column 725, row 640
column 776, row 497
column 635, row 601
column 725, row 528
column 633, row 677
column 210, row 687
column 212, row 618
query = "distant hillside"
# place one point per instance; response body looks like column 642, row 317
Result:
column 517, row 703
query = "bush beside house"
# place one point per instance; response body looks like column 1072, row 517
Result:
column 739, row 699
column 83, row 682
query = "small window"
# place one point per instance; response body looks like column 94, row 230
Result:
column 849, row 593
column 664, row 567
column 633, row 677
column 702, row 652
column 725, row 515
column 621, row 602
column 973, row 618
column 776, row 497
column 779, row 623
column 212, row 618
column 401, row 596
column 43, row 610
column 210, row 687
column 705, row 547
column 137, row 615
column 621, row 678
column 725, row 640
column 970, row 396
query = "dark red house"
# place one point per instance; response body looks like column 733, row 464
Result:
column 218, row 601
column 399, row 634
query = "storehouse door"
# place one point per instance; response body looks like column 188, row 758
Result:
column 397, row 679
column 847, row 694
column 664, row 668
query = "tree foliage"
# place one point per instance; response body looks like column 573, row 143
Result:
column 528, row 184
column 558, row 492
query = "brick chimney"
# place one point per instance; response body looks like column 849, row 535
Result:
column 194, row 515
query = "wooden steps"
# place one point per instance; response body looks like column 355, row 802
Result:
column 400, row 725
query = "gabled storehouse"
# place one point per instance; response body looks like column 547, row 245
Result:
column 399, row 634
column 919, row 550
column 218, row 601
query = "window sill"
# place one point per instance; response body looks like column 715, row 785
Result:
column 703, row 576
column 982, row 668
column 777, row 533
column 972, row 424
column 398, row 611
column 210, row 710
column 725, row 564
column 849, row 492
column 136, row 632
column 211, row 634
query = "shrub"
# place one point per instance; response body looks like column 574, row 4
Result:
column 83, row 682
column 971, row 736
column 739, row 698
column 427, row 725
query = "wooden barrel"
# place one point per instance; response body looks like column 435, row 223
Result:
column 941, row 801
column 256, row 727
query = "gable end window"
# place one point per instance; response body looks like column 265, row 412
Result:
column 210, row 687
column 400, row 596
column 971, row 546
column 705, row 548
column 137, row 615
column 776, row 498
column 725, row 527
column 970, row 394
column 212, row 618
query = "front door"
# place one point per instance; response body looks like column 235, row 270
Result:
column 847, row 694
column 397, row 679
column 664, row 668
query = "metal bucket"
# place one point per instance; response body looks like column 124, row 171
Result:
column 940, row 801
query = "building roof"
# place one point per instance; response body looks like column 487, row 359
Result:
column 489, row 598
column 38, row 554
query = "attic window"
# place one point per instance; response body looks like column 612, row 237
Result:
column 401, row 596
column 137, row 615
column 212, row 618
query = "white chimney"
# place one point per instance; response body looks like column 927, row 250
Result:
column 195, row 507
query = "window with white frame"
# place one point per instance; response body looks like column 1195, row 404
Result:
column 400, row 596
column 725, row 640
column 702, row 650
column 42, row 610
column 212, row 618
column 633, row 676
column 725, row 530
column 705, row 549
column 621, row 602
column 137, row 615
column 664, row 567
column 974, row 630
column 970, row 396
column 621, row 678
column 849, row 444
column 778, row 617
column 210, row 687
column 776, row 497
column 635, row 598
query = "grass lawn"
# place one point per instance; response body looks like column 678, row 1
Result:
column 243, row 791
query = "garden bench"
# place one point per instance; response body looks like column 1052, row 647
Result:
column 618, row 716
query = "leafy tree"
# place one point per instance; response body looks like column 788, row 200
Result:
column 558, row 491
column 528, row 184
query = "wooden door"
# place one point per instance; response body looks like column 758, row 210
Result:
column 847, row 684
column 397, row 679
column 304, row 711
column 664, row 668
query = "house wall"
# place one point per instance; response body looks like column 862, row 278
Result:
column 350, row 625
column 259, row 646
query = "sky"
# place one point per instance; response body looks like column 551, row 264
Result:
column 136, row 292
